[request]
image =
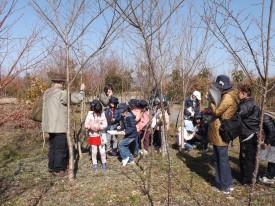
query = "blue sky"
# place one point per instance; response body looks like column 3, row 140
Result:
column 220, row 60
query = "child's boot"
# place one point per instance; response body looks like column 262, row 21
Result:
column 95, row 169
column 104, row 166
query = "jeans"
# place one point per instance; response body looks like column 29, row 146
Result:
column 136, row 145
column 201, row 139
column 124, row 150
column 223, row 176
column 188, row 146
column 58, row 152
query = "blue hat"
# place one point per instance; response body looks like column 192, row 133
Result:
column 197, row 115
column 94, row 101
column 143, row 103
column 122, row 107
column 134, row 102
column 113, row 100
column 223, row 83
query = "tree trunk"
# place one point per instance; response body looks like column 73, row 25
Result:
column 69, row 139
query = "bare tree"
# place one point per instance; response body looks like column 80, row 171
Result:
column 247, row 38
column 18, row 54
column 149, row 23
column 192, row 46
column 73, row 21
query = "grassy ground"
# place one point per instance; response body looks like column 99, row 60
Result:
column 24, row 179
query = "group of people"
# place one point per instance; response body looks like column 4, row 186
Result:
column 134, row 120
column 195, row 124
column 198, row 128
column 238, row 101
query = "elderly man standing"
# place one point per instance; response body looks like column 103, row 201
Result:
column 54, row 121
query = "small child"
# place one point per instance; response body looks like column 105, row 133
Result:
column 95, row 123
column 158, row 124
column 135, row 110
column 129, row 129
column 142, row 127
column 201, row 131
column 110, row 114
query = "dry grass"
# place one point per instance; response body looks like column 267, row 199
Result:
column 24, row 179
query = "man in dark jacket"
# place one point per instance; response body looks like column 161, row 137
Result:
column 269, row 131
column 250, row 113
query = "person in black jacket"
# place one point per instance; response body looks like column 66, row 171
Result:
column 269, row 131
column 192, row 105
column 250, row 113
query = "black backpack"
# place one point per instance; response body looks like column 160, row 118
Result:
column 231, row 128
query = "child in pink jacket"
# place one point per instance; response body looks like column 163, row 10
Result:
column 143, row 128
column 95, row 123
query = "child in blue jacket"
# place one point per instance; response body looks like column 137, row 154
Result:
column 129, row 129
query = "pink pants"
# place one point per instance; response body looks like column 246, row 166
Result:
column 94, row 149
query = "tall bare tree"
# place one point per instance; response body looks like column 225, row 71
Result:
column 74, row 22
column 192, row 48
column 248, row 40
column 149, row 23
column 18, row 53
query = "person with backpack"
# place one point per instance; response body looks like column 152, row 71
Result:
column 95, row 123
column 269, row 140
column 250, row 115
column 225, row 110
column 54, row 121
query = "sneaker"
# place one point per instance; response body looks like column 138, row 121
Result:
column 131, row 163
column 104, row 166
column 95, row 169
column 125, row 161
column 226, row 192
column 231, row 188
column 140, row 151
column 145, row 152
column 266, row 180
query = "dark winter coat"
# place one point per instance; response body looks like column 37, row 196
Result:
column 269, row 130
column 250, row 114
column 189, row 102
column 129, row 126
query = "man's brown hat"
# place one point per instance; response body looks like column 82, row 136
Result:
column 57, row 76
